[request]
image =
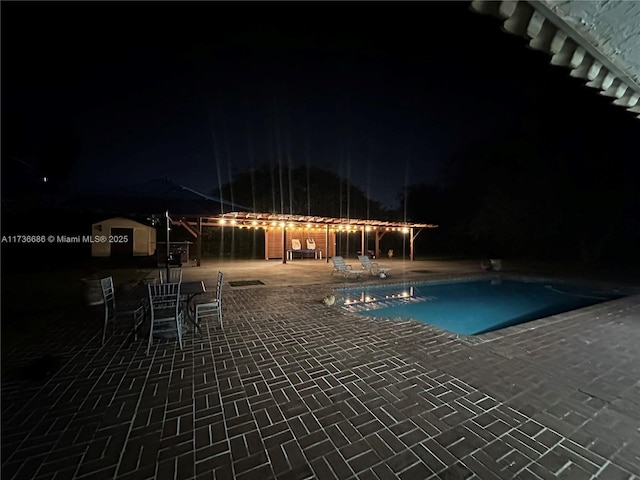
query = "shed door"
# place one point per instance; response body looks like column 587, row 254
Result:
column 118, row 247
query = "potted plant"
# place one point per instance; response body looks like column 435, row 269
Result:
column 496, row 264
column 92, row 290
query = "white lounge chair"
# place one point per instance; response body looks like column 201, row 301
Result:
column 373, row 267
column 344, row 269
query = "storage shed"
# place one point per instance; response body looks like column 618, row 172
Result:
column 122, row 237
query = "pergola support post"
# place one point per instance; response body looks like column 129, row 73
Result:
column 284, row 244
column 412, row 240
column 326, row 241
column 168, row 220
column 411, row 237
column 199, row 243
column 379, row 235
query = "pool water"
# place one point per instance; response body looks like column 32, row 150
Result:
column 473, row 307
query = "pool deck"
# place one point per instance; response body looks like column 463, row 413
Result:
column 291, row 388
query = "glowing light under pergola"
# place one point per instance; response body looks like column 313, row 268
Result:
column 268, row 220
column 292, row 223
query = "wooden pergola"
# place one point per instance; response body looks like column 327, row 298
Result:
column 280, row 229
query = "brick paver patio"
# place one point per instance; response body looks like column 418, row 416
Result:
column 293, row 389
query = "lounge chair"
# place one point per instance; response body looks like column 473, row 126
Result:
column 344, row 269
column 373, row 267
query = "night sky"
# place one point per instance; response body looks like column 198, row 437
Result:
column 382, row 93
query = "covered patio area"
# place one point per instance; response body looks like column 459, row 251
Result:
column 281, row 229
column 291, row 388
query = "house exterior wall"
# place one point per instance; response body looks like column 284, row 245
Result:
column 612, row 27
column 597, row 41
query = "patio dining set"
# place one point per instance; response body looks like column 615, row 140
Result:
column 168, row 305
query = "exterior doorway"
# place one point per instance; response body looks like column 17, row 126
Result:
column 121, row 249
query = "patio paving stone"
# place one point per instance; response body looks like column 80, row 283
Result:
column 291, row 388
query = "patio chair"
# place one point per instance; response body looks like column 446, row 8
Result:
column 312, row 247
column 344, row 269
column 166, row 315
column 175, row 275
column 134, row 309
column 211, row 308
column 373, row 267
column 296, row 248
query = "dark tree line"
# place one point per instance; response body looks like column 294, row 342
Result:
column 511, row 197
column 522, row 198
column 272, row 188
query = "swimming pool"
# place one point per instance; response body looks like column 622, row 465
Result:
column 472, row 307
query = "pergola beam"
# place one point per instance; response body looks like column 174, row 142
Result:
column 267, row 219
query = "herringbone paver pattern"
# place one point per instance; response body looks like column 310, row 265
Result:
column 294, row 389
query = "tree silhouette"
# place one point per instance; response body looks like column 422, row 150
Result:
column 517, row 196
column 301, row 190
